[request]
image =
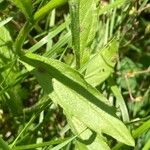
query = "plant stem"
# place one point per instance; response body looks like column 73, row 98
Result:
column 21, row 37
column 75, row 28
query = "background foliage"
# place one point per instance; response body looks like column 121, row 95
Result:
column 74, row 74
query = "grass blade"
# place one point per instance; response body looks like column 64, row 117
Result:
column 3, row 22
column 26, row 7
column 48, row 7
column 3, row 145
column 58, row 147
column 120, row 100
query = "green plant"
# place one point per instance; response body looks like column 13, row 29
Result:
column 53, row 64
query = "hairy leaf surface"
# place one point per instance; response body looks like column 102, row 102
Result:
column 78, row 98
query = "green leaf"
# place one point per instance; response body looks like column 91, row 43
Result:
column 39, row 145
column 51, row 35
column 136, row 133
column 3, row 145
column 21, row 37
column 9, row 72
column 77, row 97
column 101, row 66
column 57, row 47
column 60, row 146
column 84, row 26
column 25, row 6
column 119, row 99
column 114, row 4
column 145, row 126
column 147, row 145
column 47, row 8
column 88, row 140
column 3, row 22
column 88, row 15
column 64, row 73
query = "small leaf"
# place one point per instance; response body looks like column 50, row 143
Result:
column 101, row 66
column 141, row 129
column 119, row 99
column 88, row 25
column 5, row 46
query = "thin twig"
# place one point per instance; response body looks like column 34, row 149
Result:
column 129, row 89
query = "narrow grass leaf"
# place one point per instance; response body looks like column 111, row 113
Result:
column 65, row 39
column 119, row 99
column 88, row 139
column 21, row 37
column 60, row 146
column 47, row 8
column 38, row 145
column 147, row 145
column 145, row 126
column 23, row 130
column 3, row 145
column 88, row 16
column 25, row 6
column 3, row 22
column 51, row 35
column 136, row 133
